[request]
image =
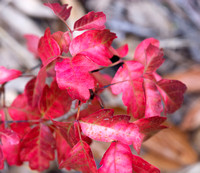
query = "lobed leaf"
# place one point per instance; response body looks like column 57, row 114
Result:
column 7, row 75
column 54, row 102
column 10, row 147
column 103, row 126
column 73, row 75
column 95, row 45
column 129, row 81
column 172, row 94
column 38, row 147
column 48, row 48
column 117, row 159
column 60, row 10
column 34, row 88
column 80, row 158
column 92, row 20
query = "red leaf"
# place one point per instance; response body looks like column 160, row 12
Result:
column 153, row 99
column 10, row 146
column 121, row 51
column 60, row 10
column 80, row 158
column 140, row 51
column 142, row 166
column 7, row 75
column 103, row 126
column 48, row 48
column 94, row 44
column 69, row 131
column 32, row 42
column 54, row 102
column 62, row 148
column 38, row 147
column 92, row 20
column 117, row 159
column 63, row 39
column 128, row 80
column 74, row 76
column 172, row 94
column 33, row 89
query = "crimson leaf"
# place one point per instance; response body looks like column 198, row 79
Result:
column 92, row 20
column 103, row 126
column 74, row 76
column 38, row 147
column 117, row 159
column 60, row 10
column 80, row 158
column 94, row 44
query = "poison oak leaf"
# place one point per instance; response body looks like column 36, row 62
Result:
column 94, row 44
column 10, row 146
column 7, row 75
column 129, row 81
column 140, row 51
column 172, row 94
column 48, row 48
column 73, row 75
column 62, row 148
column 117, row 159
column 34, row 88
column 32, row 42
column 103, row 126
column 121, row 51
column 54, row 102
column 92, row 20
column 69, row 132
column 80, row 158
column 38, row 147
column 142, row 166
column 60, row 10
column 63, row 39
column 154, row 105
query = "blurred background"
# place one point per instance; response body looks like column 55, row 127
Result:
column 175, row 23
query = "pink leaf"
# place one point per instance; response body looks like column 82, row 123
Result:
column 1, row 159
column 172, row 94
column 69, row 131
column 153, row 99
column 103, row 126
column 94, row 44
column 54, row 102
column 62, row 148
column 80, row 158
column 34, row 88
column 7, row 75
column 74, row 76
column 128, row 80
column 149, row 54
column 32, row 42
column 10, row 146
column 140, row 50
column 92, row 20
column 60, row 10
column 63, row 39
column 121, row 51
column 38, row 147
column 48, row 48
column 117, row 159
column 142, row 166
